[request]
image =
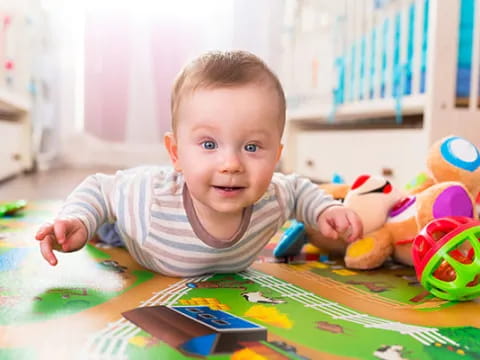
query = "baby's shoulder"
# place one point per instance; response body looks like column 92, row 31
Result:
column 157, row 178
column 166, row 181
column 280, row 180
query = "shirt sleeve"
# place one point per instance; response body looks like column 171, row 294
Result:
column 92, row 202
column 301, row 199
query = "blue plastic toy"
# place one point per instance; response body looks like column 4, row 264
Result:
column 292, row 240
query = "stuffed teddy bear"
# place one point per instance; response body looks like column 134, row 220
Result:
column 371, row 197
column 392, row 218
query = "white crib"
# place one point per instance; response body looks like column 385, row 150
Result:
column 365, row 132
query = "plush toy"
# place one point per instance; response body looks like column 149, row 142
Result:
column 392, row 219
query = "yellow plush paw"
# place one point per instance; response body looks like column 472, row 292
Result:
column 360, row 247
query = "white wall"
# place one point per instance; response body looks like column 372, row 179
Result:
column 233, row 24
column 61, row 67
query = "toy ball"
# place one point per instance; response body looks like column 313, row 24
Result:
column 446, row 256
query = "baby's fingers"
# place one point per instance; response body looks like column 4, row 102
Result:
column 44, row 230
column 60, row 229
column 327, row 229
column 46, row 248
column 341, row 224
column 356, row 227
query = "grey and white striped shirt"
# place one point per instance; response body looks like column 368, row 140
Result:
column 157, row 222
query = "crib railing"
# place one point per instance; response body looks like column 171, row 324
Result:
column 404, row 57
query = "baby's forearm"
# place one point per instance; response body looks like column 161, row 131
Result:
column 88, row 203
column 309, row 200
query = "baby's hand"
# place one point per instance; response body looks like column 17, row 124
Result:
column 63, row 235
column 338, row 221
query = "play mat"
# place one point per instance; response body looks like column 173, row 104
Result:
column 98, row 304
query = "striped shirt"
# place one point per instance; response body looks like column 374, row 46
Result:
column 156, row 220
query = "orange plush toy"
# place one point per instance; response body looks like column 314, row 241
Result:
column 392, row 219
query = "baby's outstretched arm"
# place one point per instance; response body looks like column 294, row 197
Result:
column 64, row 235
column 338, row 221
column 84, row 210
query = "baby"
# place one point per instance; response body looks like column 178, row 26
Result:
column 221, row 202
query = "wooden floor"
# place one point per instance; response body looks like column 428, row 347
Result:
column 45, row 185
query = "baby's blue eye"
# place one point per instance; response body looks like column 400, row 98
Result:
column 209, row 145
column 251, row 147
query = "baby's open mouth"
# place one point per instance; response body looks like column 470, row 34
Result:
column 228, row 188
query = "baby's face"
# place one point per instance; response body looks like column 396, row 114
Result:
column 228, row 145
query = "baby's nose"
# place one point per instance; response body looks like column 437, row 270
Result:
column 232, row 163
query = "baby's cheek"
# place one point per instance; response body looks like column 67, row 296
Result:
column 262, row 186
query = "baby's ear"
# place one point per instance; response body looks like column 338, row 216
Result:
column 171, row 145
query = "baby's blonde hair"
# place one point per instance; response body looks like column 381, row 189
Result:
column 225, row 69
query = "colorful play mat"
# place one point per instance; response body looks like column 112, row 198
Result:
column 99, row 304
